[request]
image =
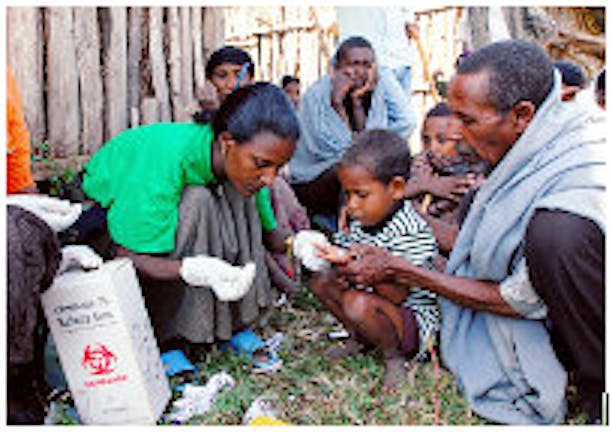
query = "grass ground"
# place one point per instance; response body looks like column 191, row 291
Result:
column 307, row 390
column 310, row 391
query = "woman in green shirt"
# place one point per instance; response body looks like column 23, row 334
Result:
column 140, row 175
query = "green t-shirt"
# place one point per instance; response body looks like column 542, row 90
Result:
column 140, row 175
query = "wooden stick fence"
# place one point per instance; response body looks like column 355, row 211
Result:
column 87, row 73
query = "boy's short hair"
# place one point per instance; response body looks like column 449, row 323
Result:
column 382, row 152
column 439, row 110
column 288, row 79
column 571, row 74
column 346, row 45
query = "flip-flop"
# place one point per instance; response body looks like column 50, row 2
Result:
column 263, row 357
column 245, row 341
column 176, row 362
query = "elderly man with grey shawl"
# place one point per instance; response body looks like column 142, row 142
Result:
column 522, row 297
column 355, row 96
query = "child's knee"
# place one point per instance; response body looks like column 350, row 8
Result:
column 355, row 305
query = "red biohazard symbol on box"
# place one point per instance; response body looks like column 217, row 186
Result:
column 99, row 359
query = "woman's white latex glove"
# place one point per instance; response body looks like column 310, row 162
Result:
column 79, row 256
column 228, row 282
column 304, row 250
column 57, row 213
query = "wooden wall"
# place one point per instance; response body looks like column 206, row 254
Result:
column 86, row 73
column 294, row 40
column 438, row 45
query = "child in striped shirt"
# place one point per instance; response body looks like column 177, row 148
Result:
column 373, row 173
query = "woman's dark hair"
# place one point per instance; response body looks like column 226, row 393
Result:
column 439, row 110
column 255, row 108
column 229, row 54
column 571, row 74
column 382, row 152
column 518, row 71
column 288, row 79
column 347, row 44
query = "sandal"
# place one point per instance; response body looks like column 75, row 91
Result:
column 175, row 362
column 263, row 356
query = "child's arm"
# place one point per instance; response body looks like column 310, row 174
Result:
column 445, row 232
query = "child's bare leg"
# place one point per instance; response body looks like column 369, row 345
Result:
column 382, row 324
column 329, row 288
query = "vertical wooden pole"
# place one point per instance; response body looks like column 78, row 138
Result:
column 150, row 110
column 174, row 41
column 135, row 26
column 274, row 57
column 63, row 87
column 158, row 63
column 114, row 29
column 186, row 107
column 214, row 24
column 86, row 33
column 198, row 52
column 25, row 57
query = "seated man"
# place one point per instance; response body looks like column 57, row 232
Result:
column 522, row 298
column 352, row 98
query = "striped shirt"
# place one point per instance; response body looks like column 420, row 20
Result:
column 407, row 235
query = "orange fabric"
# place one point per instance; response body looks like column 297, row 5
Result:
column 18, row 169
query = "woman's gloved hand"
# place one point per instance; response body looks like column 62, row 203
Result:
column 79, row 256
column 228, row 282
column 305, row 251
column 58, row 214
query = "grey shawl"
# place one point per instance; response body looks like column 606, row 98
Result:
column 323, row 134
column 216, row 222
column 507, row 367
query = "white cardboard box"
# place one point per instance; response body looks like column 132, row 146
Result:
column 106, row 345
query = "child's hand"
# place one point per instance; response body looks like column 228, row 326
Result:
column 343, row 220
column 449, row 187
column 333, row 254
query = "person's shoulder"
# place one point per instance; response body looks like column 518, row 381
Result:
column 317, row 86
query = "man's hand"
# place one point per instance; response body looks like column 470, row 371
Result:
column 341, row 85
column 369, row 267
column 368, row 86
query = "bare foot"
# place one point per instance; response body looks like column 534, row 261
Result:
column 347, row 348
column 396, row 373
